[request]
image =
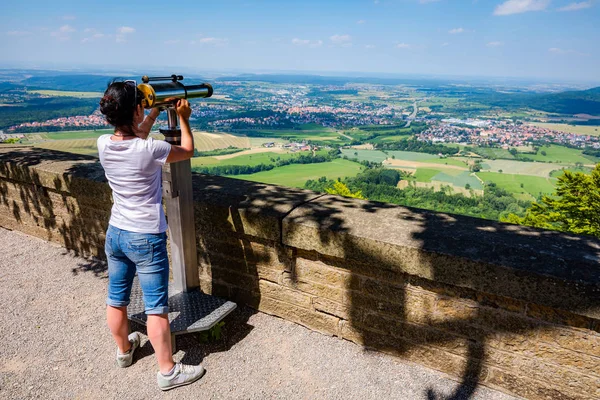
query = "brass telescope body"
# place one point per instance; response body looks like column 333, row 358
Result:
column 163, row 93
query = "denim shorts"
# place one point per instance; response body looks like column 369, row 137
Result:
column 145, row 253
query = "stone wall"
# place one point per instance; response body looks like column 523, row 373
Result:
column 509, row 307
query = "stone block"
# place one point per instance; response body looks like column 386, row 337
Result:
column 243, row 296
column 215, row 288
column 584, row 363
column 282, row 293
column 539, row 370
column 316, row 289
column 308, row 317
column 529, row 388
column 500, row 302
column 448, row 309
column 384, row 291
column 319, row 272
column 334, row 308
column 584, row 342
column 232, row 278
column 559, row 317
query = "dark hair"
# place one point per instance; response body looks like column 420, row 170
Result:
column 118, row 104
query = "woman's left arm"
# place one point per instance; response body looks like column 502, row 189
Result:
column 145, row 127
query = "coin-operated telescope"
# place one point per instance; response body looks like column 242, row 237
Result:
column 163, row 92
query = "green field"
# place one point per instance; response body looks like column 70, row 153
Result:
column 458, row 178
column 392, row 138
column 63, row 93
column 245, row 159
column 448, row 161
column 532, row 185
column 492, row 153
column 560, row 154
column 576, row 129
column 365, row 155
column 425, row 174
column 520, row 167
column 296, row 175
column 78, row 146
column 312, row 132
column 411, row 156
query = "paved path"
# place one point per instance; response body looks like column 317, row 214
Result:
column 55, row 345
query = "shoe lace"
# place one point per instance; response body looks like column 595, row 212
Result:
column 186, row 369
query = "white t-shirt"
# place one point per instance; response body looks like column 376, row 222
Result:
column 134, row 173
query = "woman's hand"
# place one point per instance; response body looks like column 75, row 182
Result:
column 183, row 109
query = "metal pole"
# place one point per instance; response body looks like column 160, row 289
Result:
column 177, row 190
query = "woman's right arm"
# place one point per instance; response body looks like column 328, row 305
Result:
column 185, row 150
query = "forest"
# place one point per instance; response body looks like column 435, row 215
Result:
column 379, row 184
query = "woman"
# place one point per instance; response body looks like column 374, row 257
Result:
column 136, row 236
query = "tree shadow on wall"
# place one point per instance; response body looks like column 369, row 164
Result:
column 401, row 301
column 59, row 196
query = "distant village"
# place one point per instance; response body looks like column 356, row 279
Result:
column 502, row 134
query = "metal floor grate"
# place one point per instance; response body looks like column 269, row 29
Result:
column 188, row 312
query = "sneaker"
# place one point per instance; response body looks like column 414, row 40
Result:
column 125, row 360
column 182, row 375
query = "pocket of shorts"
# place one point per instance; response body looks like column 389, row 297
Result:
column 139, row 251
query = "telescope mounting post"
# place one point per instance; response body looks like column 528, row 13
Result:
column 177, row 192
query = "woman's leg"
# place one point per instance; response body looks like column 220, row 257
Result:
column 149, row 252
column 120, row 277
column 116, row 318
column 159, row 333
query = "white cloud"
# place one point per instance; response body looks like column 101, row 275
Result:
column 340, row 39
column 576, row 6
column 63, row 33
column 495, row 44
column 122, row 33
column 361, row 21
column 300, row 42
column 96, row 35
column 212, row 41
column 556, row 50
column 403, row 46
column 66, row 29
column 520, row 6
column 456, row 30
column 18, row 33
column 306, row 42
column 125, row 29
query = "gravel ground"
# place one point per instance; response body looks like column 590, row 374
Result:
column 55, row 344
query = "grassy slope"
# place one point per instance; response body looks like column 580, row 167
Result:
column 296, row 175
column 532, row 185
column 561, row 154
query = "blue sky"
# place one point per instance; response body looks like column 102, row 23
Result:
column 547, row 39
